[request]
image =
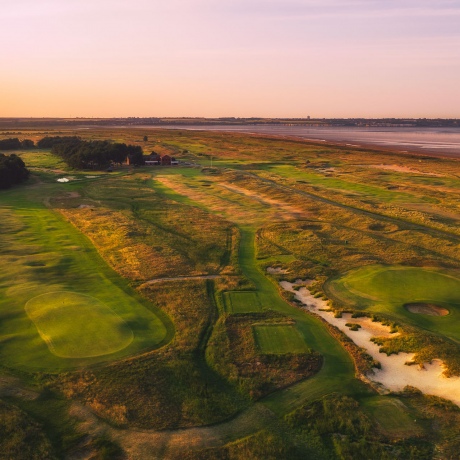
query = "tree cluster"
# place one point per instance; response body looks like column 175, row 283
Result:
column 12, row 171
column 15, row 144
column 80, row 154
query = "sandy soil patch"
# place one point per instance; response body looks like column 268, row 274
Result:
column 403, row 169
column 72, row 195
column 395, row 374
column 277, row 271
column 426, row 309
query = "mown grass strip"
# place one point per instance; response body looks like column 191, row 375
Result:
column 279, row 339
column 242, row 302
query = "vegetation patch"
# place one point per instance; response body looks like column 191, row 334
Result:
column 392, row 416
column 78, row 326
column 279, row 339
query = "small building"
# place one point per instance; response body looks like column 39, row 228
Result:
column 166, row 160
column 153, row 159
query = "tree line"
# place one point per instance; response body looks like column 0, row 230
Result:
column 12, row 171
column 80, row 154
column 15, row 144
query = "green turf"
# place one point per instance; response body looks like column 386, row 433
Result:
column 392, row 416
column 279, row 339
column 242, row 302
column 78, row 326
column 343, row 186
column 41, row 253
column 388, row 288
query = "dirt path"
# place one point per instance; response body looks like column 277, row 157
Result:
column 150, row 444
column 181, row 278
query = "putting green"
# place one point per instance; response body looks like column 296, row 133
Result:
column 78, row 326
column 242, row 302
column 42, row 253
column 279, row 339
column 389, row 288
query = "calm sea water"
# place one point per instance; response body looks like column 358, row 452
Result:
column 440, row 141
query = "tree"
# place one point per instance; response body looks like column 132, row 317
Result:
column 27, row 144
column 12, row 171
column 10, row 144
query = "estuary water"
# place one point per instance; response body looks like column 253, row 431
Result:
column 433, row 141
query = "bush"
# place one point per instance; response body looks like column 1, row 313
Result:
column 12, row 171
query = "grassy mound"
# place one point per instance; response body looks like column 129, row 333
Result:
column 279, row 339
column 389, row 288
column 78, row 326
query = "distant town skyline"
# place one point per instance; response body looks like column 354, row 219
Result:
column 242, row 58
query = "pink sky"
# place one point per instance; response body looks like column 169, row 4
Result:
column 271, row 58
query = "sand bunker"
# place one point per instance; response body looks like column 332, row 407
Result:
column 277, row 271
column 63, row 179
column 394, row 374
column 426, row 309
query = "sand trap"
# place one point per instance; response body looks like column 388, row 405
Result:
column 394, row 374
column 426, row 309
column 63, row 179
column 277, row 271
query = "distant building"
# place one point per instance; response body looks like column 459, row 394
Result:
column 156, row 160
column 166, row 160
column 153, row 159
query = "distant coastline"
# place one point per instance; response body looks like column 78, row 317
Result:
column 432, row 137
column 440, row 142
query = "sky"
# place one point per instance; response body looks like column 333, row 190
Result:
column 219, row 58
